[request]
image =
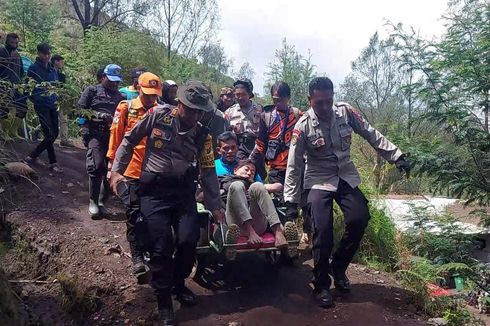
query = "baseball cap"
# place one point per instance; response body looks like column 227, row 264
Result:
column 150, row 84
column 195, row 96
column 136, row 72
column 245, row 83
column 113, row 72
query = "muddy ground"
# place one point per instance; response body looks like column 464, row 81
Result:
column 61, row 250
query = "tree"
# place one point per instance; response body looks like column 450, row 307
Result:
column 213, row 55
column 455, row 89
column 32, row 20
column 375, row 88
column 100, row 13
column 185, row 25
column 293, row 68
column 245, row 72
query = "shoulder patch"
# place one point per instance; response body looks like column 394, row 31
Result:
column 207, row 154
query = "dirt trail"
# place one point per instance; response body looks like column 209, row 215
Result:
column 55, row 221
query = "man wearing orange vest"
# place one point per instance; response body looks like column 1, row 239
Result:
column 128, row 113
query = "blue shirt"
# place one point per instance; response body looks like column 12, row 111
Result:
column 225, row 168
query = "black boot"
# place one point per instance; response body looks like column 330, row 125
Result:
column 340, row 280
column 323, row 298
column 140, row 270
column 166, row 310
column 184, row 295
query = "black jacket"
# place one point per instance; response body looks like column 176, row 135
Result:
column 11, row 67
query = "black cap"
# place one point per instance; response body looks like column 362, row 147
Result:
column 136, row 72
column 247, row 84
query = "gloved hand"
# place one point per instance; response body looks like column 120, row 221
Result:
column 403, row 165
column 291, row 211
column 106, row 117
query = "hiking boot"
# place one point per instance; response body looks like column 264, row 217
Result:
column 165, row 310
column 323, row 298
column 231, row 238
column 341, row 281
column 140, row 270
column 54, row 167
column 291, row 234
column 93, row 210
column 185, row 296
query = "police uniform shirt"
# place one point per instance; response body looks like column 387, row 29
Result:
column 244, row 120
column 327, row 150
column 100, row 99
column 171, row 152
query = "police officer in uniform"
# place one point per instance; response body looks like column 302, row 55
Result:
column 244, row 119
column 176, row 143
column 128, row 113
column 323, row 134
column 99, row 102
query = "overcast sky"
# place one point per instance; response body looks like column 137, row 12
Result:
column 334, row 31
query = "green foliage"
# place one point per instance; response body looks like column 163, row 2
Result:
column 455, row 88
column 293, row 68
column 438, row 238
column 459, row 315
column 379, row 247
column 32, row 19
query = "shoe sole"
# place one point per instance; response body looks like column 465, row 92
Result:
column 291, row 235
column 231, row 237
column 143, row 277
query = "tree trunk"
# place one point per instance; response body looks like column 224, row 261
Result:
column 169, row 35
column 485, row 111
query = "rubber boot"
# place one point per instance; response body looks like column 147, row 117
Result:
column 102, row 197
column 93, row 190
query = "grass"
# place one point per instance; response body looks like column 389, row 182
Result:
column 75, row 299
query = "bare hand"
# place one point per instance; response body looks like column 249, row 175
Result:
column 114, row 181
column 219, row 215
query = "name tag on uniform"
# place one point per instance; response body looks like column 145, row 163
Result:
column 157, row 133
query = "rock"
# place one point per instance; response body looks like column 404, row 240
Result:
column 114, row 250
column 437, row 322
column 69, row 185
column 380, row 282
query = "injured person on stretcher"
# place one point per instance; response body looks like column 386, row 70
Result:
column 250, row 207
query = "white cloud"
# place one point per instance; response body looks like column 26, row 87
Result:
column 334, row 31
